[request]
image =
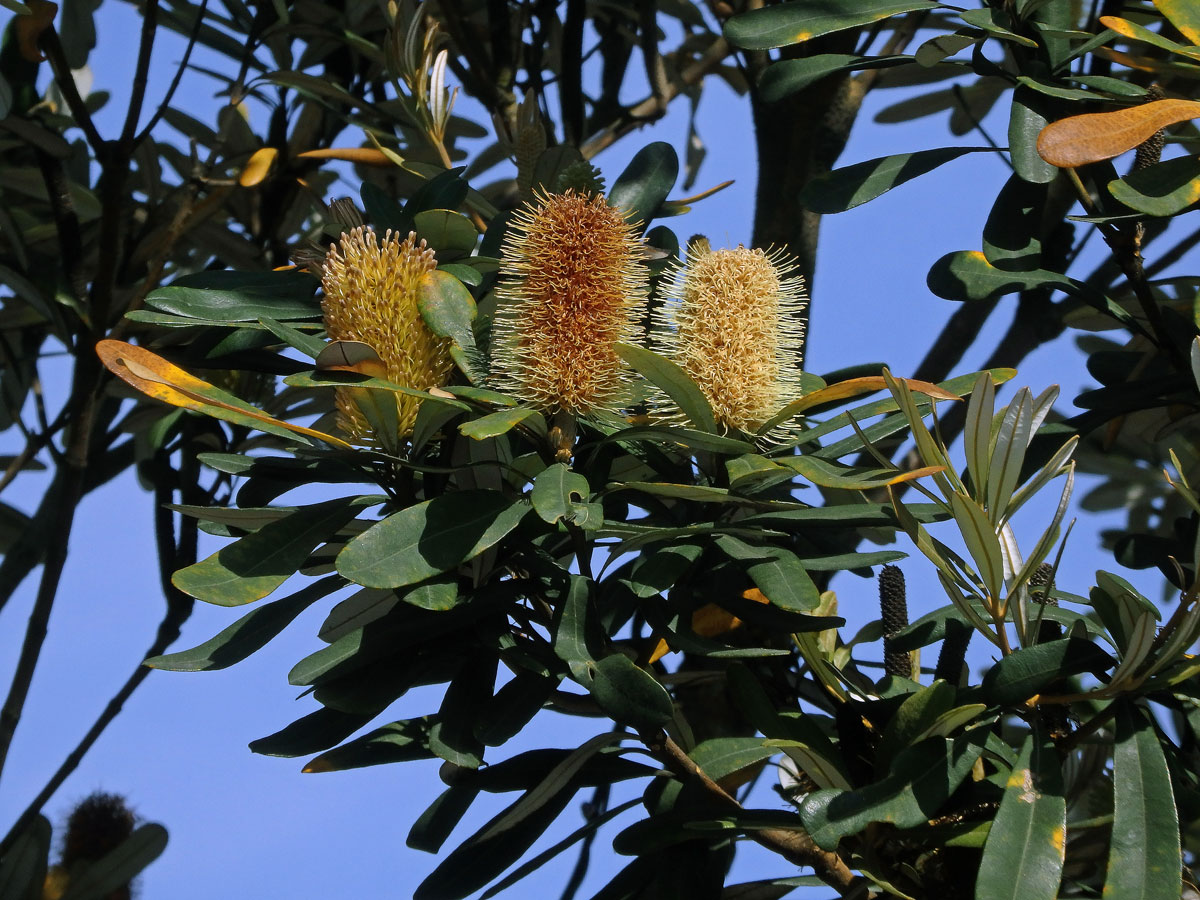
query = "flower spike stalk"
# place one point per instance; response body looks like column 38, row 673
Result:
column 731, row 321
column 571, row 287
column 371, row 290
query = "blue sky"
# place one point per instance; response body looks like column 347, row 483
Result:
column 246, row 825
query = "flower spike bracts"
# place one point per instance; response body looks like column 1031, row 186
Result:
column 731, row 321
column 572, row 286
column 371, row 290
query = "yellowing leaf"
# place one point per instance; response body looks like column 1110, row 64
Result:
column 1184, row 15
column 853, row 387
column 351, row 356
column 258, row 167
column 157, row 378
column 364, row 156
column 1079, row 140
column 710, row 620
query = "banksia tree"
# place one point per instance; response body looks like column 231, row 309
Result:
column 572, row 286
column 731, row 321
column 371, row 290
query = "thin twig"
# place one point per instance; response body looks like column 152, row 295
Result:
column 141, row 75
column 174, row 86
column 57, row 57
column 795, row 846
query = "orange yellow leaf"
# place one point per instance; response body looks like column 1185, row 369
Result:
column 710, row 620
column 1079, row 140
column 1184, row 15
column 1128, row 60
column 915, row 474
column 853, row 387
column 258, row 167
column 364, row 156
column 162, row 380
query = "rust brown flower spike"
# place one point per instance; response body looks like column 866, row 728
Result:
column 572, row 285
column 371, row 296
column 731, row 321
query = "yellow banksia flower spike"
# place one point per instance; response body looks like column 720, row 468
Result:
column 572, row 285
column 731, row 321
column 371, row 290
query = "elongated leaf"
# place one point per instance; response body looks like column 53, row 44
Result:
column 825, row 473
column 673, row 380
column 851, row 186
column 1029, row 115
column 1126, row 28
column 442, row 816
column 1089, row 138
column 718, row 757
column 556, row 780
column 311, row 734
column 776, row 572
column 226, row 296
column 258, row 167
column 629, row 693
column 401, row 741
column 157, row 378
column 647, row 180
column 120, row 865
column 575, row 630
column 432, row 537
column 1160, row 190
column 248, row 634
column 794, row 23
column 252, row 567
column 1144, row 860
column 1184, row 15
column 1026, row 672
column 982, row 543
column 495, row 424
column 787, row 76
column 1023, row 856
column 23, row 867
column 923, row 777
column 475, row 862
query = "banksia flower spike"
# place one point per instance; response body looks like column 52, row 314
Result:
column 571, row 286
column 371, row 290
column 731, row 321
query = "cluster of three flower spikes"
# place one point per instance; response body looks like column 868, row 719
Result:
column 573, row 283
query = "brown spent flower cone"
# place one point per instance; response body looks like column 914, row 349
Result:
column 371, row 290
column 731, row 321
column 572, row 285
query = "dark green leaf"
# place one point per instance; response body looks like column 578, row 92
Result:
column 777, row 572
column 630, row 694
column 1023, row 856
column 474, row 863
column 718, row 757
column 23, row 867
column 252, row 567
column 383, row 211
column 643, row 186
column 674, row 382
column 1028, row 671
column 576, row 630
column 429, row 538
column 442, row 816
column 224, row 296
column 923, row 777
column 315, row 732
column 495, row 424
column 450, row 233
column 248, row 634
column 1144, row 860
column 1163, row 189
column 513, row 707
column 1011, row 234
column 557, row 491
column 794, row 23
column 119, row 866
column 401, row 741
column 786, row 77
column 848, row 187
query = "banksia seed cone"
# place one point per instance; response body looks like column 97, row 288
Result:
column 571, row 287
column 371, row 291
column 731, row 321
column 893, row 607
column 98, row 825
